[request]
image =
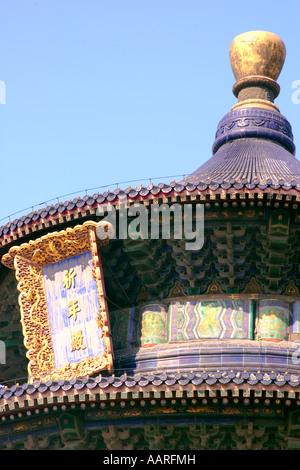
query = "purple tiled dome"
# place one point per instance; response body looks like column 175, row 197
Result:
column 253, row 146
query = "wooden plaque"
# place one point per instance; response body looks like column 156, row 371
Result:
column 64, row 313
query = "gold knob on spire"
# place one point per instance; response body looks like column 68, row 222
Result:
column 257, row 58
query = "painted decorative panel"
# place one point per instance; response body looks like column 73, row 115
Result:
column 272, row 320
column 153, row 319
column 228, row 319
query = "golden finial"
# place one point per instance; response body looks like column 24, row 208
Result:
column 257, row 58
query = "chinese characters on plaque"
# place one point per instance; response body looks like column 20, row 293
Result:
column 63, row 308
column 73, row 306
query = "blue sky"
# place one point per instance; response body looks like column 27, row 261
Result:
column 101, row 92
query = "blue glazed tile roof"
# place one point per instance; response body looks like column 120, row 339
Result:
column 253, row 150
column 212, row 180
column 250, row 162
column 253, row 146
column 236, row 377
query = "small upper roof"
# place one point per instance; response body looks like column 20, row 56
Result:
column 254, row 141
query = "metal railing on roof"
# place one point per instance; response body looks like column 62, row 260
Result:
column 9, row 217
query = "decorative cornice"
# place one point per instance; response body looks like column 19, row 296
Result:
column 254, row 122
column 228, row 383
column 189, row 190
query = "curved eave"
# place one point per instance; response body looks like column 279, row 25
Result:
column 107, row 389
column 209, row 191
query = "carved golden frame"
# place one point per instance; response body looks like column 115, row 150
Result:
column 28, row 260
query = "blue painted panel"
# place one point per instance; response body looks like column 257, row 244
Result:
column 296, row 317
column 73, row 304
column 199, row 319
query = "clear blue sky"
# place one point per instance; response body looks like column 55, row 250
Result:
column 100, row 92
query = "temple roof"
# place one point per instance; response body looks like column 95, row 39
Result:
column 250, row 161
column 276, row 175
column 248, row 251
column 159, row 412
column 253, row 148
column 156, row 380
column 254, row 141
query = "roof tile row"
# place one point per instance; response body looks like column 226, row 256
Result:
column 87, row 201
column 195, row 378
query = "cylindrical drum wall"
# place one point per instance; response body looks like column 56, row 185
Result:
column 272, row 320
column 153, row 318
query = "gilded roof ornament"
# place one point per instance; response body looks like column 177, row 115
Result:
column 257, row 58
